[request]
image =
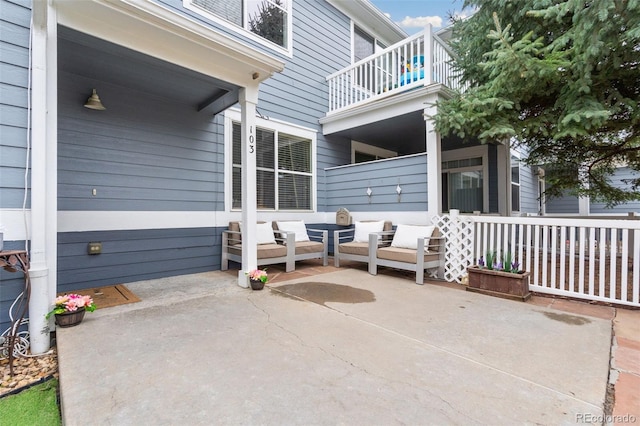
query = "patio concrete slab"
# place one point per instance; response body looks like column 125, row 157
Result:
column 200, row 350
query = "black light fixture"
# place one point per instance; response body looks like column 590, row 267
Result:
column 94, row 102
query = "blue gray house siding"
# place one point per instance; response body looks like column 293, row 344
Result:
column 14, row 75
column 347, row 186
column 528, row 190
column 618, row 179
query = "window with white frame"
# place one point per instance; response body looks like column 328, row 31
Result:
column 284, row 177
column 364, row 44
column 515, row 183
column 362, row 152
column 464, row 179
column 269, row 19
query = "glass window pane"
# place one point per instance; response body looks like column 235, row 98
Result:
column 265, row 143
column 268, row 19
column 237, row 151
column 515, row 170
column 231, row 10
column 363, row 44
column 265, row 187
column 515, row 198
column 294, row 153
column 236, row 183
column 294, row 192
column 465, row 191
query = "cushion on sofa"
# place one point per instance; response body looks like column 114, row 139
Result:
column 296, row 226
column 264, row 232
column 363, row 229
column 406, row 236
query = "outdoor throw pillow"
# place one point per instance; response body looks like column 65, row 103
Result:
column 264, row 233
column 406, row 236
column 363, row 229
column 296, row 226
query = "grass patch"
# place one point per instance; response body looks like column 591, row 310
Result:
column 37, row 405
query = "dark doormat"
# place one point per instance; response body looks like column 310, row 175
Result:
column 108, row 296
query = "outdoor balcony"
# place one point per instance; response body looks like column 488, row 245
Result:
column 418, row 61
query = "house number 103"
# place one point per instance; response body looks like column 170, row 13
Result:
column 251, row 141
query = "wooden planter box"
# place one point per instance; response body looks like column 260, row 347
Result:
column 509, row 285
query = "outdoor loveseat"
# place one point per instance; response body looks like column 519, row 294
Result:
column 353, row 243
column 277, row 242
column 412, row 248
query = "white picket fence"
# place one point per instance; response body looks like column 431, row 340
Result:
column 594, row 259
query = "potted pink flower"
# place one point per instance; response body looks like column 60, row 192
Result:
column 69, row 309
column 257, row 278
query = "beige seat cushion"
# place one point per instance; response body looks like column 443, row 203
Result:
column 305, row 247
column 360, row 249
column 265, row 251
column 404, row 255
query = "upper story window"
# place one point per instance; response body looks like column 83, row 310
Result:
column 269, row 19
column 364, row 44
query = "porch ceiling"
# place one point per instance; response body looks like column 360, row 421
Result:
column 84, row 55
column 404, row 134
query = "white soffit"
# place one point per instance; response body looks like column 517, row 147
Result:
column 368, row 16
column 154, row 30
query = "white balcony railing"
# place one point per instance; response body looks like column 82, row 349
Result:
column 420, row 60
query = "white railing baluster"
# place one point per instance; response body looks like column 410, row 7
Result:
column 536, row 254
column 545, row 254
column 520, row 231
column 528, row 240
column 581, row 266
column 613, row 256
column 602, row 246
column 624, row 264
column 563, row 254
column 592, row 260
column 552, row 269
column 636, row 267
column 572, row 258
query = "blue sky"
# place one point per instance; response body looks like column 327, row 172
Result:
column 413, row 15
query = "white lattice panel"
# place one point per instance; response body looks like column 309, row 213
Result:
column 458, row 233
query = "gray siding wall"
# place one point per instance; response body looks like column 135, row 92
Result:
column 142, row 153
column 528, row 190
column 618, row 178
column 15, row 16
column 562, row 205
column 346, row 186
column 135, row 255
column 14, row 74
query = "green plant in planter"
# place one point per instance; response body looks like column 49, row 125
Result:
column 507, row 264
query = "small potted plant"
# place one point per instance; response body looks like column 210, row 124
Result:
column 257, row 278
column 69, row 309
column 499, row 277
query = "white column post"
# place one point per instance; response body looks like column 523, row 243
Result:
column 428, row 52
column 248, row 101
column 584, row 202
column 434, row 163
column 44, row 171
